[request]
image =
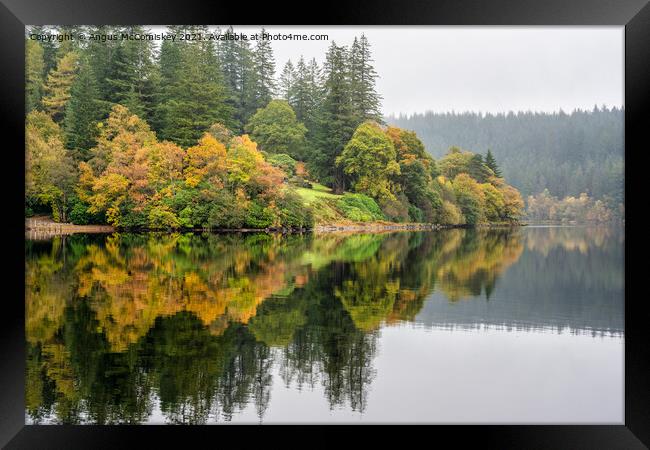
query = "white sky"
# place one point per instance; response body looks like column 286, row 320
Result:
column 478, row 68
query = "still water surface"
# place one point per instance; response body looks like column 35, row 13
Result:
column 519, row 325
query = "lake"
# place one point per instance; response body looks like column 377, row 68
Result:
column 512, row 325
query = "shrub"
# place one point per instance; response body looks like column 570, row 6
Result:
column 284, row 162
column 160, row 217
column 415, row 214
column 293, row 213
column 359, row 208
column 450, row 214
column 79, row 214
column 225, row 211
column 259, row 216
column 396, row 210
column 300, row 182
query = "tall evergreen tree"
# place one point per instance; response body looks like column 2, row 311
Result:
column 101, row 55
column 82, row 114
column 300, row 90
column 166, row 74
column 491, row 162
column 71, row 41
column 306, row 96
column 236, row 60
column 131, row 80
column 365, row 99
column 195, row 97
column 264, row 66
column 287, row 80
column 337, row 121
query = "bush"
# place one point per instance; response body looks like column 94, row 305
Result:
column 359, row 208
column 259, row 216
column 450, row 214
column 161, row 217
column 134, row 219
column 300, row 182
column 79, row 214
column 293, row 213
column 415, row 214
column 226, row 212
column 396, row 210
column 284, row 162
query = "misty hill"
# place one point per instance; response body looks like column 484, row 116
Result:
column 566, row 153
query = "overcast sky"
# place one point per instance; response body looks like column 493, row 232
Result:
column 479, row 68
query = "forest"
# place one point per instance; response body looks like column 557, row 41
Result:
column 570, row 155
column 203, row 135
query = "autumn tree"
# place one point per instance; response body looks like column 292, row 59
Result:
column 50, row 175
column 206, row 162
column 370, row 160
column 119, row 164
column 34, row 72
column 276, row 130
column 417, row 173
column 58, row 85
column 470, row 198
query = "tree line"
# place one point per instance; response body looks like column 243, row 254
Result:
column 200, row 134
column 568, row 154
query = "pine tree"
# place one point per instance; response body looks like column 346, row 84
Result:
column 195, row 97
column 130, row 80
column 287, row 79
column 101, row 56
column 366, row 102
column 315, row 90
column 306, row 96
column 491, row 162
column 57, row 87
column 166, row 74
column 300, row 90
column 264, row 66
column 34, row 71
column 82, row 114
column 336, row 120
column 236, row 60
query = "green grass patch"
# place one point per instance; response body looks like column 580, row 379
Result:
column 332, row 208
column 318, row 191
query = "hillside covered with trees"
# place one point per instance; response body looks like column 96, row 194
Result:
column 570, row 155
column 202, row 134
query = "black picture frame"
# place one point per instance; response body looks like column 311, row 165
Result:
column 15, row 14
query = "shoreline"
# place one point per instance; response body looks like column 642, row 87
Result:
column 43, row 227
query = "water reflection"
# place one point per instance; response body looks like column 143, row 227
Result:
column 122, row 328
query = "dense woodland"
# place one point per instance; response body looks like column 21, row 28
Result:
column 567, row 154
column 202, row 134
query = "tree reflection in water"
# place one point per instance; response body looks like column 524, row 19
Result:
column 193, row 325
